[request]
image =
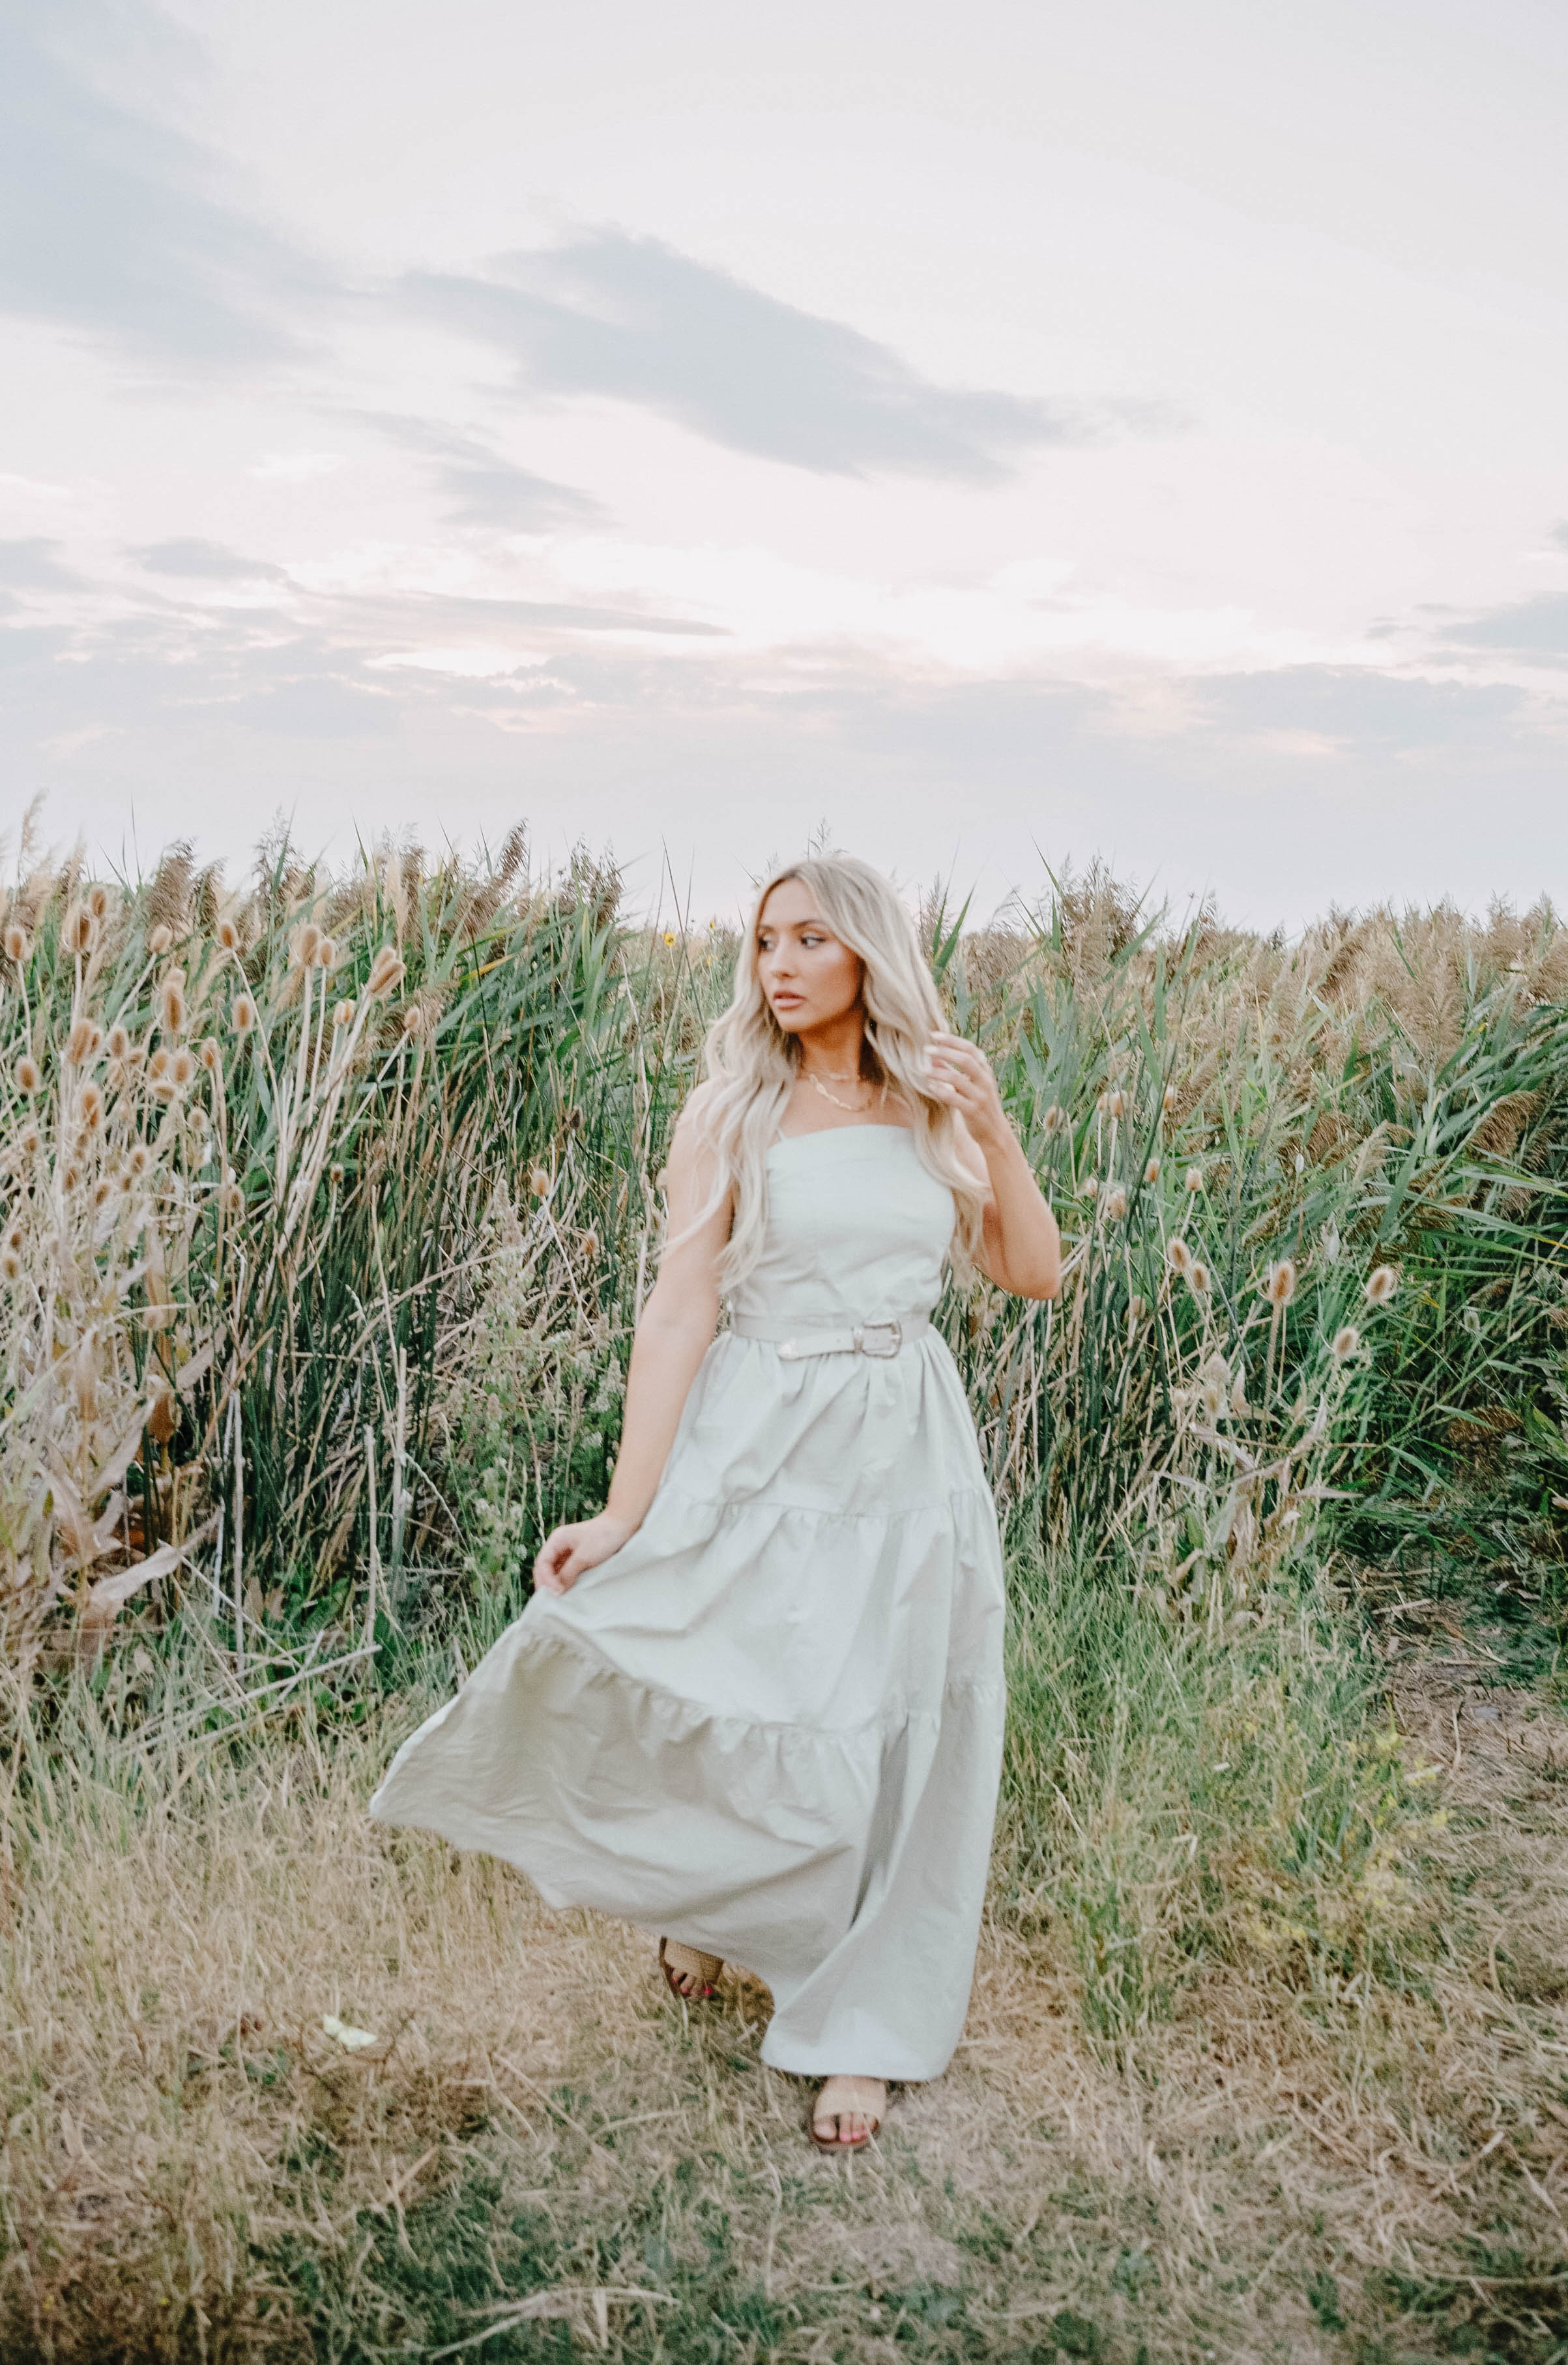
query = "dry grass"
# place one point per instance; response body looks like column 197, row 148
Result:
column 1282, row 2167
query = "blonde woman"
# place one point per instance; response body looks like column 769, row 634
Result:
column 757, row 1704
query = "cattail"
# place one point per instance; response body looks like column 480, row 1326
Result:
column 28, row 1076
column 244, row 1013
column 160, row 938
column 1055, row 1118
column 1381, row 1285
column 326, row 954
column 17, row 945
column 211, row 1056
column 1346, row 1341
column 1198, row 1279
column 1194, row 1178
column 80, row 933
column 118, row 1043
column 83, row 1042
column 1178, row 1256
column 538, row 1181
column 386, row 972
column 1280, row 1287
column 342, row 1013
column 92, row 1106
column 1151, row 1171
column 1114, row 1207
column 227, row 935
column 182, row 1070
column 172, row 1004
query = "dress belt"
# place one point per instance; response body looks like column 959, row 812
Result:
column 881, row 1341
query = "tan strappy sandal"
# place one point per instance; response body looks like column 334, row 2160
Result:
column 705, row 1967
column 837, row 2143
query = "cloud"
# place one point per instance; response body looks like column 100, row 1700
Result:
column 1344, row 706
column 1535, row 629
column 1559, row 533
column 209, row 561
column 107, row 226
column 485, row 489
column 32, row 565
column 633, row 320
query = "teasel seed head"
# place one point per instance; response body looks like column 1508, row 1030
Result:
column 1054, row 1117
column 80, row 933
column 386, row 971
column 182, row 1070
column 160, row 938
column 17, row 945
column 82, row 1042
column 92, row 1106
column 140, row 1158
column 1178, row 1256
column 307, row 944
column 118, row 1043
column 326, row 953
column 244, row 1013
column 589, row 1246
column 1280, row 1287
column 335, row 1176
column 10, row 1264
column 30, row 1141
column 28, row 1080
column 342, row 1013
column 1198, row 1278
column 1168, row 1099
column 1346, row 1341
column 98, row 901
column 71, row 1180
column 1117, row 1105
column 1194, row 1178
column 1151, row 1171
column 228, row 935
column 1381, row 1285
column 231, row 1199
column 413, row 1019
column 1137, row 1310
column 172, row 1005
column 158, row 1067
column 1114, row 1207
column 211, row 1056
column 1239, row 1392
column 538, row 1181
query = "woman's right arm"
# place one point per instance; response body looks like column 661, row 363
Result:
column 674, row 1332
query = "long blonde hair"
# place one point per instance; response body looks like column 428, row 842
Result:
column 753, row 1063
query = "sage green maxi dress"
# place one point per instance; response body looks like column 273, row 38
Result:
column 770, row 1725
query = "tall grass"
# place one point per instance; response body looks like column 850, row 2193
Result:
column 329, row 1205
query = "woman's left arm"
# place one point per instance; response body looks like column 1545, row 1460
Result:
column 1022, row 1247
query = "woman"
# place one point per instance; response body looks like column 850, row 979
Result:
column 757, row 1702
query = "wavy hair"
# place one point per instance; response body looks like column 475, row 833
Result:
column 753, row 1062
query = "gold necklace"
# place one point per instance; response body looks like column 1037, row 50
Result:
column 854, row 1108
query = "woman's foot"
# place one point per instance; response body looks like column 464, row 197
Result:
column 687, row 1973
column 849, row 2113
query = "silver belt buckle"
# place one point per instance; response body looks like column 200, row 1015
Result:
column 862, row 1345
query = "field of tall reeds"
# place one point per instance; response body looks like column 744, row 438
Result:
column 327, row 1205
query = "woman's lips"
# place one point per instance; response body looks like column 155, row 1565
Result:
column 788, row 1000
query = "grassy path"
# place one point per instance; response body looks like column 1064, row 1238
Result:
column 540, row 2156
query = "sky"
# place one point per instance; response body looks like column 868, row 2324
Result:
column 991, row 439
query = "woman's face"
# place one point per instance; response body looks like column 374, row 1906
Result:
column 809, row 975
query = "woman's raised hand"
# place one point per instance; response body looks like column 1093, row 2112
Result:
column 570, row 1551
column 958, row 1072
